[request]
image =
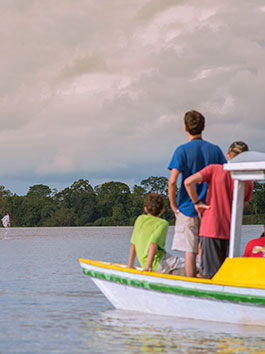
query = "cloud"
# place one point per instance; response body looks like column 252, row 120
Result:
column 100, row 89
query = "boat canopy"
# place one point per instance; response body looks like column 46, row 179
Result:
column 247, row 166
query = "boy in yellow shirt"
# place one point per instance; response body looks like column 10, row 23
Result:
column 149, row 238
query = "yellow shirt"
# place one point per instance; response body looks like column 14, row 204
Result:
column 148, row 229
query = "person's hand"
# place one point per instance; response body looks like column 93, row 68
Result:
column 148, row 269
column 200, row 208
column 175, row 210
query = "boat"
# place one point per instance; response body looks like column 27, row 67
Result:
column 235, row 294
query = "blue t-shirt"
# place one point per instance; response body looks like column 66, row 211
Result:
column 188, row 159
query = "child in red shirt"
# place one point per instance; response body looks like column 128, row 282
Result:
column 256, row 247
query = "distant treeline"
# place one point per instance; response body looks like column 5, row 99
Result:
column 108, row 204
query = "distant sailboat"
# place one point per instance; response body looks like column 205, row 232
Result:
column 6, row 221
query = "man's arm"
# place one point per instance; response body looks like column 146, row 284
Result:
column 132, row 256
column 151, row 255
column 172, row 189
column 191, row 190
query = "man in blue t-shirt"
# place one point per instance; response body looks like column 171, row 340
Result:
column 188, row 159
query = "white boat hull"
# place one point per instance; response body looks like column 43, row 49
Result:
column 166, row 295
column 152, row 302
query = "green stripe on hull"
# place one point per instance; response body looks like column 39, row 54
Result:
column 213, row 295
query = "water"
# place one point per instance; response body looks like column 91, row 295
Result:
column 48, row 306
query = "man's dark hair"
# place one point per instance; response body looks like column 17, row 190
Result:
column 236, row 148
column 194, row 122
column 154, row 203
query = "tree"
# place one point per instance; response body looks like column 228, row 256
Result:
column 80, row 197
column 37, row 205
column 155, row 184
column 15, row 210
column 39, row 191
column 62, row 217
column 137, row 202
column 113, row 200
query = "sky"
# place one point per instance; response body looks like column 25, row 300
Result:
column 97, row 89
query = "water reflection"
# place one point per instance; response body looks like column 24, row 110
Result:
column 121, row 331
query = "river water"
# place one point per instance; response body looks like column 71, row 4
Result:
column 48, row 306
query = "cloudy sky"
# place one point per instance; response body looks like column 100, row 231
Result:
column 97, row 89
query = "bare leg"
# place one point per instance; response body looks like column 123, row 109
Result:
column 190, row 264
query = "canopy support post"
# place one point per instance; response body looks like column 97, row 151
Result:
column 236, row 218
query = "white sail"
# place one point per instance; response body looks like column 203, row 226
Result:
column 6, row 221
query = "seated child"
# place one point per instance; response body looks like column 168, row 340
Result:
column 149, row 238
column 256, row 247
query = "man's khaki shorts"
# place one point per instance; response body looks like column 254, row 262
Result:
column 186, row 235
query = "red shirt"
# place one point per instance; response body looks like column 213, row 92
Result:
column 255, row 248
column 217, row 219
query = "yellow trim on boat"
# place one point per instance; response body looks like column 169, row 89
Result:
column 124, row 268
